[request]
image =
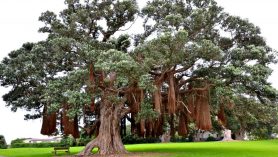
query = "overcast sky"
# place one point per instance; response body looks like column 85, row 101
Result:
column 19, row 24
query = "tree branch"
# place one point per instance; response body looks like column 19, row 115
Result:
column 124, row 111
column 185, row 106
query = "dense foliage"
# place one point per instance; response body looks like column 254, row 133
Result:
column 193, row 64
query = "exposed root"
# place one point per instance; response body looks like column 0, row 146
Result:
column 87, row 151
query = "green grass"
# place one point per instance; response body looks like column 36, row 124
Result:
column 198, row 149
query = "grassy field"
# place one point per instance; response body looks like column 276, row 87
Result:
column 198, row 149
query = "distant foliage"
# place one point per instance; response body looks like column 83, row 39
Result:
column 68, row 141
column 82, row 141
column 180, row 139
column 18, row 140
column 133, row 139
column 3, row 144
column 36, row 145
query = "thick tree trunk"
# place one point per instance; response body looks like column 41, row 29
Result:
column 108, row 140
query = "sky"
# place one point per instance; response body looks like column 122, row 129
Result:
column 19, row 24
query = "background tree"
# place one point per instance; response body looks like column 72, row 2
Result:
column 192, row 61
column 253, row 119
column 3, row 144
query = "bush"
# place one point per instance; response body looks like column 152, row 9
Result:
column 82, row 141
column 35, row 145
column 19, row 143
column 68, row 141
column 210, row 138
column 133, row 139
column 3, row 144
column 179, row 139
column 18, row 140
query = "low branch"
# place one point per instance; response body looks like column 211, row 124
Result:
column 183, row 82
column 125, row 110
column 154, row 73
column 90, row 128
column 184, row 68
column 185, row 106
column 130, row 25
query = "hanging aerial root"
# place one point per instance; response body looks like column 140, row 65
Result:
column 48, row 122
column 157, row 97
column 171, row 95
column 183, row 126
column 142, row 128
column 157, row 100
column 191, row 104
column 134, row 98
column 221, row 116
column 203, row 119
column 70, row 127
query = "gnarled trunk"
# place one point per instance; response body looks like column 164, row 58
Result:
column 108, row 140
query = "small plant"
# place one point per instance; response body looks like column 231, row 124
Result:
column 134, row 139
column 68, row 141
column 82, row 141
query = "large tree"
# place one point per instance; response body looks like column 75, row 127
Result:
column 192, row 60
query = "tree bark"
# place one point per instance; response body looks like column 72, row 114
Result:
column 171, row 95
column 157, row 99
column 108, row 140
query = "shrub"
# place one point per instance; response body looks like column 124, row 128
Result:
column 210, row 138
column 3, row 144
column 179, row 139
column 19, row 143
column 82, row 141
column 35, row 145
column 132, row 139
column 18, row 140
column 68, row 141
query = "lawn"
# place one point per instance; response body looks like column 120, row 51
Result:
column 198, row 149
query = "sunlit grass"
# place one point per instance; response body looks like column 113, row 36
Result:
column 197, row 149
